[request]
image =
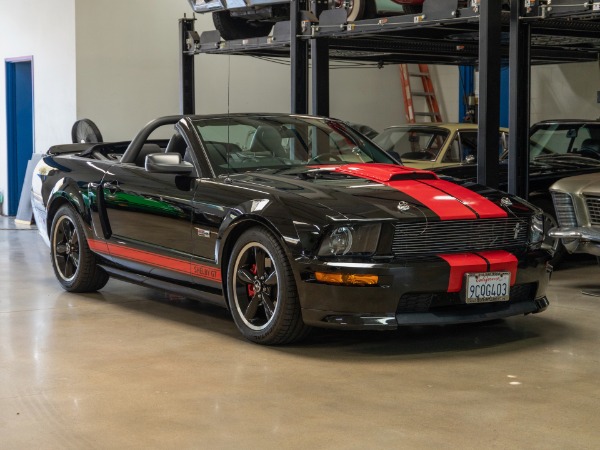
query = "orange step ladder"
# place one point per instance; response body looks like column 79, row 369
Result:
column 428, row 93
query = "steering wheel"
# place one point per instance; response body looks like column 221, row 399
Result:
column 429, row 155
column 330, row 157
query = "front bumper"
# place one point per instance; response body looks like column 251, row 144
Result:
column 413, row 293
column 578, row 239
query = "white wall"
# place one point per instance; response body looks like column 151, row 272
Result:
column 565, row 91
column 45, row 31
column 127, row 73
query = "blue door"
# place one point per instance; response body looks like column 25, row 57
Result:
column 19, row 126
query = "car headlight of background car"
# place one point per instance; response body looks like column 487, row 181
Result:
column 351, row 240
column 536, row 230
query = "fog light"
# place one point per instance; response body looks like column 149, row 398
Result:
column 350, row 279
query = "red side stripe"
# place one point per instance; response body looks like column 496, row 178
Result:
column 155, row 260
column 98, row 246
column 462, row 263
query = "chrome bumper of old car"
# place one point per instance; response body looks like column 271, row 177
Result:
column 578, row 239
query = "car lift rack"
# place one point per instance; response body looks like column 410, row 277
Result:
column 532, row 32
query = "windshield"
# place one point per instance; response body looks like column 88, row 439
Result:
column 563, row 138
column 242, row 143
column 417, row 143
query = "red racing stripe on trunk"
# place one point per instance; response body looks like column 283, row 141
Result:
column 488, row 261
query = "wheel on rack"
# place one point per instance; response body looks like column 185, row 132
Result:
column 355, row 8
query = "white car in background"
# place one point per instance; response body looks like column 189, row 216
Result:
column 577, row 204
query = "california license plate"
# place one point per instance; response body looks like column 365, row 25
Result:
column 486, row 287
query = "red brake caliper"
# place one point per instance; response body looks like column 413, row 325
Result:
column 251, row 286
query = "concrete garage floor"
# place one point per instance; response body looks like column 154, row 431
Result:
column 130, row 367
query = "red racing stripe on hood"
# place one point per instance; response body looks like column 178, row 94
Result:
column 484, row 208
column 489, row 261
column 447, row 200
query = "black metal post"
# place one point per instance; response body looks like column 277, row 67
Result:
column 187, row 93
column 298, row 61
column 489, row 93
column 319, row 56
column 519, row 101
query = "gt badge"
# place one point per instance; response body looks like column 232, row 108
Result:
column 403, row 206
column 506, row 201
column 203, row 233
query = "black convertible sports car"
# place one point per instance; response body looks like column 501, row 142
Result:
column 289, row 221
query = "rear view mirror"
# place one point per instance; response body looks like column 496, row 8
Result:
column 572, row 133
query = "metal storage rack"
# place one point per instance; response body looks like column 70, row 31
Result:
column 533, row 32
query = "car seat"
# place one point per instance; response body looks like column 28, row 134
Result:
column 267, row 139
column 590, row 148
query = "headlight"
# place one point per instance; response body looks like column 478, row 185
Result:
column 351, row 240
column 536, row 230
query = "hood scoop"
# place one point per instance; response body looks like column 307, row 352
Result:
column 385, row 172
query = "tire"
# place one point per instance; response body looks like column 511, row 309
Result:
column 262, row 292
column 231, row 28
column 356, row 10
column 74, row 264
column 554, row 246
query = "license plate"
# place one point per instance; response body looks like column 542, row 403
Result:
column 486, row 287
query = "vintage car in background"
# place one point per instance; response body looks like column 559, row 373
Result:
column 289, row 221
column 577, row 205
column 431, row 145
column 558, row 149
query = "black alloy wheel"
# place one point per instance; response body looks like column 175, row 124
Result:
column 262, row 291
column 74, row 264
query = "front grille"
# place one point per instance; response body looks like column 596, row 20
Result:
column 565, row 211
column 426, row 302
column 593, row 206
column 423, row 240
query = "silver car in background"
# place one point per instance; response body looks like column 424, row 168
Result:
column 577, row 204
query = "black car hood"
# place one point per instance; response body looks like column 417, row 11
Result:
column 379, row 191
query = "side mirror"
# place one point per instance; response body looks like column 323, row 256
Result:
column 167, row 163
